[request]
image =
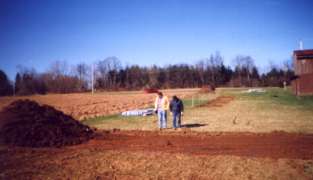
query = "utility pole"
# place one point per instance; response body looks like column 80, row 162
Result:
column 92, row 78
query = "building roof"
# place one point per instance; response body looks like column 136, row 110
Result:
column 303, row 54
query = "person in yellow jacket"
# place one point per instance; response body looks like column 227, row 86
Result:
column 161, row 105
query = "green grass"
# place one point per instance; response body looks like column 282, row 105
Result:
column 280, row 96
column 100, row 119
column 196, row 102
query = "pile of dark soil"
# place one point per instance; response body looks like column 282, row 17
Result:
column 26, row 123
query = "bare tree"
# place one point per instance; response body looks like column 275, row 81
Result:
column 244, row 67
column 200, row 67
column 213, row 64
column 153, row 77
column 82, row 71
column 107, row 70
column 58, row 68
column 28, row 81
column 288, row 64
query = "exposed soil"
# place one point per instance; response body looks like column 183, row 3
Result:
column 219, row 101
column 207, row 89
column 271, row 145
column 85, row 105
column 26, row 123
column 169, row 154
column 166, row 155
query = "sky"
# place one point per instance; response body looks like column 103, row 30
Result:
column 35, row 33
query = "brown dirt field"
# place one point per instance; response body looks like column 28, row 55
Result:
column 219, row 101
column 86, row 105
column 269, row 145
column 167, row 155
column 225, row 139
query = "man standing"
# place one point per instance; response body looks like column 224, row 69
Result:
column 161, row 106
column 177, row 109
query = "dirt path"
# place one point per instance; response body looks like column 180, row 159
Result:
column 272, row 145
column 219, row 101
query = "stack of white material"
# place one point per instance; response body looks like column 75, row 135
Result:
column 257, row 90
column 138, row 112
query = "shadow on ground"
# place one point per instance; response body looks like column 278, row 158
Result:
column 195, row 125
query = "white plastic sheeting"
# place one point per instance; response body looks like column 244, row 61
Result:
column 138, row 112
column 255, row 90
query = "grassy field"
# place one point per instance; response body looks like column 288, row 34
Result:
column 274, row 110
column 282, row 97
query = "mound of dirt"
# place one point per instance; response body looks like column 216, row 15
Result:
column 26, row 123
column 151, row 90
column 207, row 89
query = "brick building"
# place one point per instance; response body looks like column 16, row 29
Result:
column 303, row 65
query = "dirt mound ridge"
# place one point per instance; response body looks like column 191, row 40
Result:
column 219, row 101
column 26, row 123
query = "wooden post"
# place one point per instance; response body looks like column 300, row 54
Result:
column 192, row 101
column 92, row 78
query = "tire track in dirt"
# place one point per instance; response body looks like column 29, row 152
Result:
column 272, row 145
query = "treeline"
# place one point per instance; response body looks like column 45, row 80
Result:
column 59, row 78
column 6, row 87
column 109, row 74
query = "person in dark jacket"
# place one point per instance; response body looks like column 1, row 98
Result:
column 177, row 110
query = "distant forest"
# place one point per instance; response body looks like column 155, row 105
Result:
column 109, row 74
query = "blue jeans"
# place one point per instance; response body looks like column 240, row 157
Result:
column 162, row 118
column 176, row 119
